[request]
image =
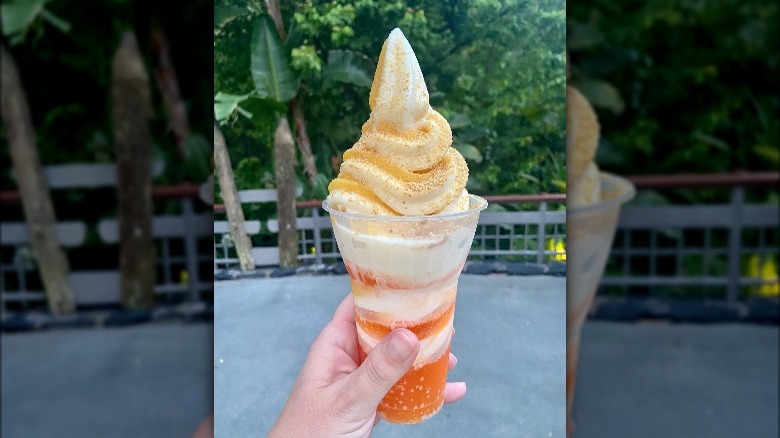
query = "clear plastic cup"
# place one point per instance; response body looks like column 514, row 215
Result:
column 590, row 230
column 404, row 273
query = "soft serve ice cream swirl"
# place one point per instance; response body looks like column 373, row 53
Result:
column 582, row 140
column 404, row 163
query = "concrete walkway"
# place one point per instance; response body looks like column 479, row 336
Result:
column 510, row 343
column 662, row 380
column 144, row 381
column 635, row 380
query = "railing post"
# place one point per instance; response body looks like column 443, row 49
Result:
column 315, row 216
column 216, row 253
column 540, row 232
column 21, row 273
column 735, row 243
column 191, row 248
column 226, row 248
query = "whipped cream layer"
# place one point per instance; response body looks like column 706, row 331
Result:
column 401, row 262
column 404, row 162
column 392, row 307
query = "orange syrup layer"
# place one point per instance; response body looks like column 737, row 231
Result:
column 360, row 290
column 427, row 327
column 418, row 395
column 367, row 277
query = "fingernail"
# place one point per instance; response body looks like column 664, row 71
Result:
column 400, row 346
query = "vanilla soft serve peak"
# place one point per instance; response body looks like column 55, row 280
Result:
column 404, row 163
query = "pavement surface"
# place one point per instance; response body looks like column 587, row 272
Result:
column 150, row 381
column 677, row 380
column 510, row 344
column 635, row 379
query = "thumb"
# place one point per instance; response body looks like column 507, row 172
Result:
column 385, row 365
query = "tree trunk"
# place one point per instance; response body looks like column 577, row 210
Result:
column 304, row 144
column 296, row 103
column 167, row 82
column 132, row 109
column 276, row 15
column 284, row 164
column 235, row 214
column 36, row 201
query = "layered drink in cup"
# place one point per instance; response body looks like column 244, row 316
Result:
column 593, row 206
column 404, row 223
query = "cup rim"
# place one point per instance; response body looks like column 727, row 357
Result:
column 449, row 216
column 627, row 193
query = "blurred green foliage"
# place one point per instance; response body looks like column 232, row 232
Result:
column 64, row 57
column 494, row 69
column 680, row 86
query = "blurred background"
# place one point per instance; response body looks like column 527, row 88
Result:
column 106, row 115
column 688, row 105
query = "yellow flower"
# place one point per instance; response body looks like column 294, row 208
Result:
column 559, row 247
column 767, row 272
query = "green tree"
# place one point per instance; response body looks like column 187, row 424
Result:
column 680, row 87
column 494, row 69
column 65, row 55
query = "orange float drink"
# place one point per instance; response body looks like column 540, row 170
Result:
column 590, row 230
column 404, row 222
column 404, row 273
column 593, row 201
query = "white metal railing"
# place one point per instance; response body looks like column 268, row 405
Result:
column 712, row 250
column 719, row 251
column 653, row 249
column 181, row 241
column 520, row 236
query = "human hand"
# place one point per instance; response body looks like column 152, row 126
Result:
column 334, row 395
column 205, row 428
